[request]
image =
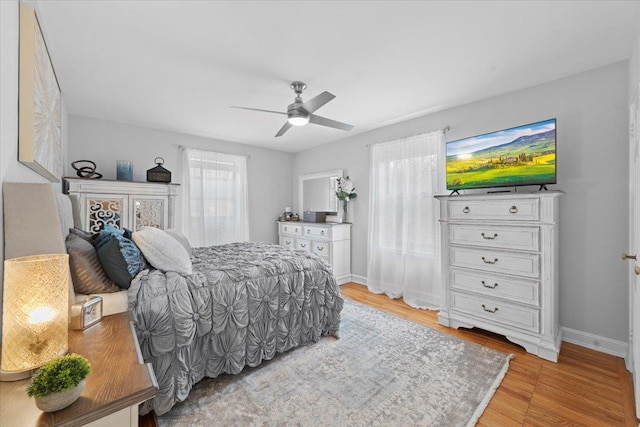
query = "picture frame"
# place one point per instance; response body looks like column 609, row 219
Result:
column 39, row 111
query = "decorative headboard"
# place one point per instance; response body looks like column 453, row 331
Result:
column 37, row 221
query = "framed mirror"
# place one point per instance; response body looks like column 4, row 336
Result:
column 317, row 192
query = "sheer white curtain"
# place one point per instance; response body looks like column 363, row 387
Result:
column 404, row 245
column 214, row 197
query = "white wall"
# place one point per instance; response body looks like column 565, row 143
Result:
column 591, row 109
column 105, row 142
column 10, row 169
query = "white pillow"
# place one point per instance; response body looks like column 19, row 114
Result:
column 176, row 234
column 162, row 251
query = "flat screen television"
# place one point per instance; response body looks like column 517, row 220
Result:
column 523, row 155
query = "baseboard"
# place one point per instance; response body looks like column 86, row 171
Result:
column 345, row 278
column 361, row 280
column 595, row 342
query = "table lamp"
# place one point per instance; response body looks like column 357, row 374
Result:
column 35, row 313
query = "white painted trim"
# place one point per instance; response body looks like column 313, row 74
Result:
column 361, row 280
column 345, row 278
column 595, row 342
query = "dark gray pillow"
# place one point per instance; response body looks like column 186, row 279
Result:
column 81, row 233
column 86, row 272
column 119, row 256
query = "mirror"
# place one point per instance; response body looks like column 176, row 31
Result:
column 318, row 192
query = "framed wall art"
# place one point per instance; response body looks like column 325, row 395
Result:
column 39, row 112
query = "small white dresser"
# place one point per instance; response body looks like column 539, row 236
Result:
column 329, row 240
column 500, row 267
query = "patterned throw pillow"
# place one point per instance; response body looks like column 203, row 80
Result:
column 119, row 256
column 86, row 272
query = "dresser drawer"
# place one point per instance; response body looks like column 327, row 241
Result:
column 521, row 264
column 497, row 209
column 525, row 291
column 322, row 248
column 316, row 232
column 293, row 229
column 524, row 238
column 287, row 242
column 303, row 245
column 497, row 311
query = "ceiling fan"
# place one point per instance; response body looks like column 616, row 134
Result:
column 300, row 113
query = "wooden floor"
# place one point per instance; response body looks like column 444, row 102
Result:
column 585, row 387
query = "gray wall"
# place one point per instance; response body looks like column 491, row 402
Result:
column 10, row 169
column 105, row 142
column 591, row 109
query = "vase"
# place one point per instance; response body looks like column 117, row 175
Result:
column 56, row 401
column 345, row 211
column 124, row 170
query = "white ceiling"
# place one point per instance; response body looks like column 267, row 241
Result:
column 179, row 65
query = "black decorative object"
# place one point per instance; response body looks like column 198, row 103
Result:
column 86, row 172
column 159, row 174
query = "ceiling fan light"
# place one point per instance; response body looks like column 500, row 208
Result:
column 298, row 120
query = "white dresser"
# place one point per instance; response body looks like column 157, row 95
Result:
column 500, row 267
column 123, row 204
column 329, row 240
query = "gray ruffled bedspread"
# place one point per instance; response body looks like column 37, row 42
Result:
column 244, row 303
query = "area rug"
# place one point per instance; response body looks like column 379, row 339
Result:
column 383, row 370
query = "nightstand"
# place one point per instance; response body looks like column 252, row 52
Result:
column 119, row 382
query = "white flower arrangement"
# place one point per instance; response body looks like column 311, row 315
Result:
column 346, row 190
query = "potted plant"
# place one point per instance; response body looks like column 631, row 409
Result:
column 59, row 383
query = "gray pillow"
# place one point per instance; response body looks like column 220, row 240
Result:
column 86, row 272
column 162, row 251
column 180, row 238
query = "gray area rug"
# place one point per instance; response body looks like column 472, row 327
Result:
column 383, row 370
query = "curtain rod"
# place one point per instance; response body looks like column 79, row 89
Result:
column 182, row 147
column 445, row 129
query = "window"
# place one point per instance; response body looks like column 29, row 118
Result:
column 403, row 256
column 214, row 197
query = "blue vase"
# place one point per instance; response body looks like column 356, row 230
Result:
column 124, row 170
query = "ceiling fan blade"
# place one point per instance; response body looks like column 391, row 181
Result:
column 283, row 129
column 315, row 103
column 328, row 122
column 257, row 109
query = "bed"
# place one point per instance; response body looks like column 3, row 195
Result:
column 235, row 305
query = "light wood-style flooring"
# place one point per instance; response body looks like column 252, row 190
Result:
column 585, row 387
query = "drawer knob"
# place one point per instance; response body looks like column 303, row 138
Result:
column 322, row 232
column 466, row 209
column 320, row 248
column 308, row 231
column 296, row 230
column 636, row 270
column 513, row 209
column 488, row 310
column 495, row 285
column 288, row 242
column 303, row 245
column 486, row 261
column 489, row 237
column 627, row 256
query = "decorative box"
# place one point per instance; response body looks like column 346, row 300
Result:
column 315, row 216
column 159, row 174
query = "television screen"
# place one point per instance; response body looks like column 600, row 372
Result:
column 523, row 155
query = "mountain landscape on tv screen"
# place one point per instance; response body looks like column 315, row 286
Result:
column 527, row 160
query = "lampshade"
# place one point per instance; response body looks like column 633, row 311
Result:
column 35, row 313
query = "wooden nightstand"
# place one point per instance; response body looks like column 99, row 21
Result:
column 119, row 382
